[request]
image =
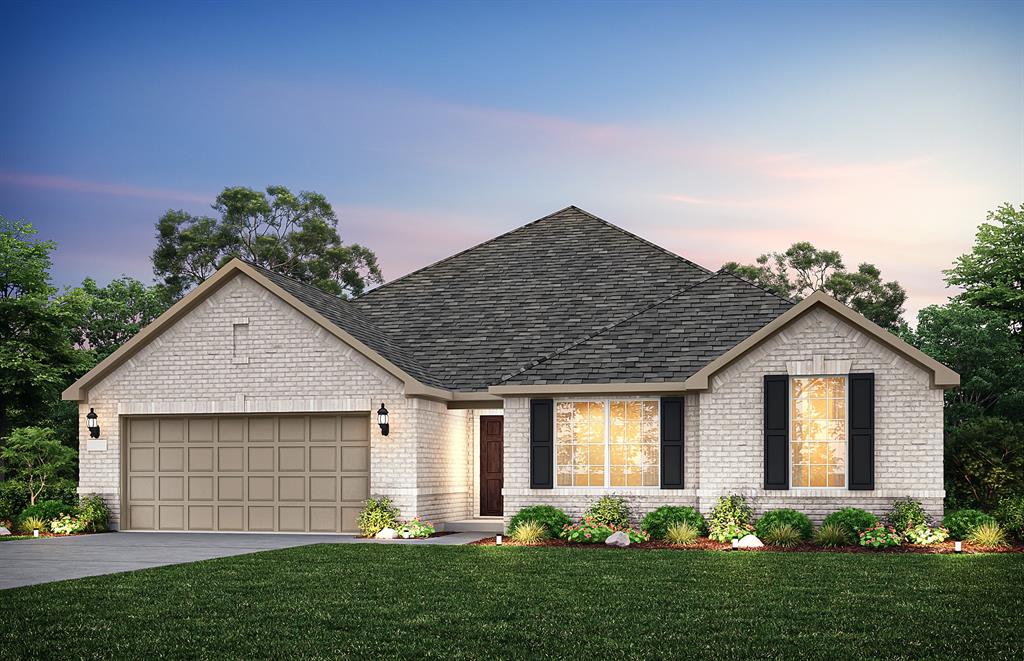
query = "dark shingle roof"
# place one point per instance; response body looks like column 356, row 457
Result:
column 668, row 341
column 485, row 312
column 568, row 298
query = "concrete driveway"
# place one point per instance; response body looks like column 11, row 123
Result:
column 33, row 561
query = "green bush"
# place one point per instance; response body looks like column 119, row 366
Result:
column 852, row 519
column 730, row 519
column 68, row 525
column 1010, row 515
column 592, row 531
column 682, row 533
column 416, row 529
column 832, row 534
column 377, row 514
column 907, row 513
column 94, row 511
column 962, row 523
column 782, row 534
column 988, row 535
column 552, row 518
column 48, row 510
column 658, row 522
column 14, row 496
column 529, row 532
column 29, row 523
column 880, row 537
column 775, row 518
column 924, row 535
column 610, row 510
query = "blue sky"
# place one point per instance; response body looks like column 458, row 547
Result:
column 717, row 130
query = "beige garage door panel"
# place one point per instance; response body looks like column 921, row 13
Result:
column 295, row 473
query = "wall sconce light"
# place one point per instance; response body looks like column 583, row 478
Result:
column 382, row 420
column 93, row 424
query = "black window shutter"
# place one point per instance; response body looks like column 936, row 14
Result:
column 542, row 443
column 776, row 431
column 862, row 432
column 672, row 434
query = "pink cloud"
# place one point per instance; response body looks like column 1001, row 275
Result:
column 84, row 186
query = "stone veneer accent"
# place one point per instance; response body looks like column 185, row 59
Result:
column 292, row 365
column 724, row 431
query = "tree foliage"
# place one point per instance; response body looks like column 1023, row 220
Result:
column 34, row 456
column 114, row 313
column 802, row 269
column 292, row 234
column 984, row 462
column 992, row 274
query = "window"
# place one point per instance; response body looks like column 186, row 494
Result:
column 607, row 443
column 818, row 439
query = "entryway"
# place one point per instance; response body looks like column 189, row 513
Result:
column 492, row 447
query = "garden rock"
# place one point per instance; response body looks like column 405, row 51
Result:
column 4, row 531
column 750, row 542
column 387, row 533
column 617, row 539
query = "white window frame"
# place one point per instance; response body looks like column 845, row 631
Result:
column 846, row 426
column 607, row 440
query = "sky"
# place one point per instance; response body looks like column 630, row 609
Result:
column 717, row 130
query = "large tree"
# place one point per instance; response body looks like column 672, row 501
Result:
column 802, row 269
column 992, row 274
column 292, row 234
column 116, row 312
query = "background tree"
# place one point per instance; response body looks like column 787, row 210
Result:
column 114, row 313
column 802, row 269
column 984, row 462
column 292, row 234
column 992, row 274
column 34, row 456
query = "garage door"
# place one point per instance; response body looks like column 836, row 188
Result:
column 256, row 473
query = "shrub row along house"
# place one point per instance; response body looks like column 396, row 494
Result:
column 559, row 362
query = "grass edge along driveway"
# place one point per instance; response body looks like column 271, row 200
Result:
column 331, row 600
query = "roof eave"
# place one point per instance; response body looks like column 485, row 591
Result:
column 534, row 390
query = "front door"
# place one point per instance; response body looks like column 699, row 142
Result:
column 492, row 445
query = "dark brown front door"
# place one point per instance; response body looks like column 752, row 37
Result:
column 492, row 445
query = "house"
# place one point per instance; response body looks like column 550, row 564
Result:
column 561, row 361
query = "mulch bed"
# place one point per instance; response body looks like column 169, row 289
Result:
column 705, row 544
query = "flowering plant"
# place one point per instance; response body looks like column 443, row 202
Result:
column 68, row 525
column 592, row 531
column 416, row 529
column 879, row 537
column 922, row 534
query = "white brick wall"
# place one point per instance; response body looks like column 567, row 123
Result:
column 724, row 432
column 293, row 365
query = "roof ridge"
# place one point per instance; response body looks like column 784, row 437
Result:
column 754, row 284
column 462, row 252
column 606, row 328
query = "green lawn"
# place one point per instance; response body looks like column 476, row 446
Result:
column 356, row 600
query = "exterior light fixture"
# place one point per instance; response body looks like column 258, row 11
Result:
column 497, row 540
column 957, row 546
column 382, row 420
column 735, row 543
column 93, row 423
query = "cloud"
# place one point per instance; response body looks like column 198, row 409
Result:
column 52, row 182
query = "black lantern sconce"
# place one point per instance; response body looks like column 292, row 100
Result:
column 382, row 420
column 93, row 423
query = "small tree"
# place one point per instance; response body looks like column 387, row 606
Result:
column 34, row 455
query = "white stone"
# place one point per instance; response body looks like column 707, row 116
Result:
column 749, row 542
column 387, row 533
column 617, row 539
column 4, row 531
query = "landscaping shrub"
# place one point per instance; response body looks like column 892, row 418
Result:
column 658, row 522
column 552, row 518
column 611, row 510
column 730, row 519
column 962, row 523
column 94, row 511
column 415, row 529
column 682, row 533
column 68, row 525
column 831, row 535
column 378, row 513
column 14, row 496
column 782, row 534
column 853, row 520
column 48, row 510
column 592, row 531
column 798, row 520
column 906, row 513
column 529, row 532
column 30, row 523
column 988, row 535
column 1010, row 515
column 880, row 537
column 924, row 535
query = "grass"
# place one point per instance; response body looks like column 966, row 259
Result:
column 474, row 602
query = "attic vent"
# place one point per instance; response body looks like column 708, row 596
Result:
column 240, row 341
